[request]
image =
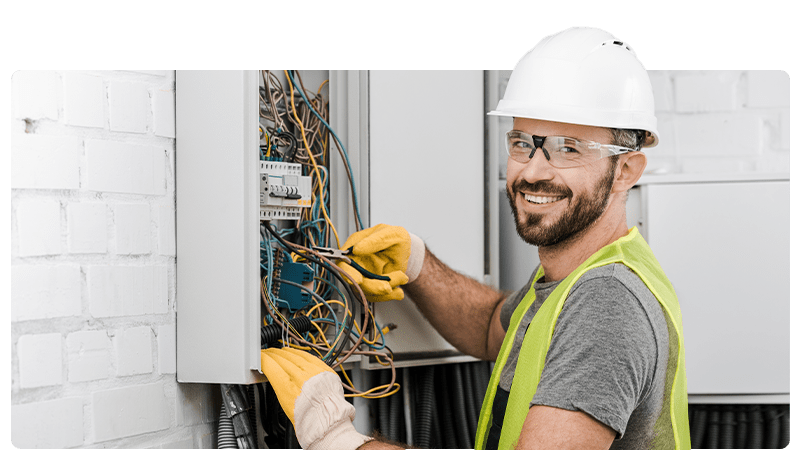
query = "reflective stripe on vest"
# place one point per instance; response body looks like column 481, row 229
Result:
column 672, row 425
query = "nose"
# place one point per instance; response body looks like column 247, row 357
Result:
column 538, row 167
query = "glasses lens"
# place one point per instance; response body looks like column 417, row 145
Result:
column 568, row 152
column 519, row 146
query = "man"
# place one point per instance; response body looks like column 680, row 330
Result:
column 590, row 353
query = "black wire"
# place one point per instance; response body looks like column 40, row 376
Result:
column 347, row 286
column 289, row 156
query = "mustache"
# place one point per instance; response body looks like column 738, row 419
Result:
column 544, row 187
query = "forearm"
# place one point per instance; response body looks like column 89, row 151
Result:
column 460, row 308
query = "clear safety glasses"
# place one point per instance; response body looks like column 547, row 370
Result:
column 561, row 151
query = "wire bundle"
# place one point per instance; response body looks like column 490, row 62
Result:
column 295, row 129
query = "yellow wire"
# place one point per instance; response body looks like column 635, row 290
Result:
column 311, row 157
column 300, row 347
column 275, row 307
column 320, row 86
column 344, row 372
column 366, row 395
column 325, row 341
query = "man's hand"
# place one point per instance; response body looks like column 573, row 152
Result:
column 384, row 250
column 311, row 395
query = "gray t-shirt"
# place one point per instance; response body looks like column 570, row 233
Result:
column 608, row 355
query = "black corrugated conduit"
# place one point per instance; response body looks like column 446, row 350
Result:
column 251, row 392
column 273, row 332
column 463, row 438
column 234, row 397
column 712, row 428
column 436, row 433
column 741, row 430
column 784, row 442
column 772, row 428
column 396, row 416
column 727, row 425
column 697, row 429
column 755, row 435
column 739, row 426
column 480, row 374
column 225, row 436
column 444, row 408
column 385, row 376
column 469, row 398
column 423, row 417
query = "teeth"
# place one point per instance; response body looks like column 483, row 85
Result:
column 541, row 200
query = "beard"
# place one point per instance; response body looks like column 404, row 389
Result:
column 583, row 210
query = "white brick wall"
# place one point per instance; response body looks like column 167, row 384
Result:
column 39, row 360
column 44, row 162
column 49, row 424
column 721, row 121
column 134, row 350
column 35, row 94
column 128, row 411
column 87, row 228
column 127, row 168
column 166, row 349
column 45, row 291
column 89, row 355
column 133, row 228
column 39, row 227
column 127, row 106
column 84, row 100
column 93, row 264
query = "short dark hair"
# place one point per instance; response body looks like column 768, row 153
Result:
column 628, row 138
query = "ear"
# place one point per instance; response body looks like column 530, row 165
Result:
column 630, row 167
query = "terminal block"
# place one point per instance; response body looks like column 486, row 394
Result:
column 284, row 190
column 288, row 286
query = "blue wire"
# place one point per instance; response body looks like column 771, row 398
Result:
column 344, row 150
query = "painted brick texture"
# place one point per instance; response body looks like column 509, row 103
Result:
column 721, row 121
column 93, row 264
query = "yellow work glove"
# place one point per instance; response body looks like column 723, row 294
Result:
column 384, row 250
column 311, row 395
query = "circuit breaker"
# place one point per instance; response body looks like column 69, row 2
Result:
column 283, row 190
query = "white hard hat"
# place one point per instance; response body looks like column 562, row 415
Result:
column 583, row 76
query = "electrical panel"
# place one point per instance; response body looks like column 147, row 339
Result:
column 290, row 163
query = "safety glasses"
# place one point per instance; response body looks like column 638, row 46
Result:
column 561, row 151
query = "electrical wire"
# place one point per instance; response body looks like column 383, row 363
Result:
column 341, row 146
column 296, row 130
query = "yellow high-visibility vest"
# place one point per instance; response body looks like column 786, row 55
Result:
column 672, row 425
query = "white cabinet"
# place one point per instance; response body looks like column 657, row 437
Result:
column 725, row 247
column 426, row 174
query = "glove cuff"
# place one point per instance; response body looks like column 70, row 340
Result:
column 342, row 436
column 416, row 258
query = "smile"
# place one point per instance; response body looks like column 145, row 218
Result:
column 540, row 200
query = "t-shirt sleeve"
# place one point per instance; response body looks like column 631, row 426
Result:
column 602, row 356
column 512, row 301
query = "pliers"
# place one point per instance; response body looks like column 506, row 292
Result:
column 342, row 255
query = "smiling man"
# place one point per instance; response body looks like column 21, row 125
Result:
column 589, row 354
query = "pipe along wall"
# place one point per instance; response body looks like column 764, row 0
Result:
column 739, row 426
column 444, row 404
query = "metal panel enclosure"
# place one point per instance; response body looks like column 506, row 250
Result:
column 217, row 227
column 724, row 247
column 426, row 174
